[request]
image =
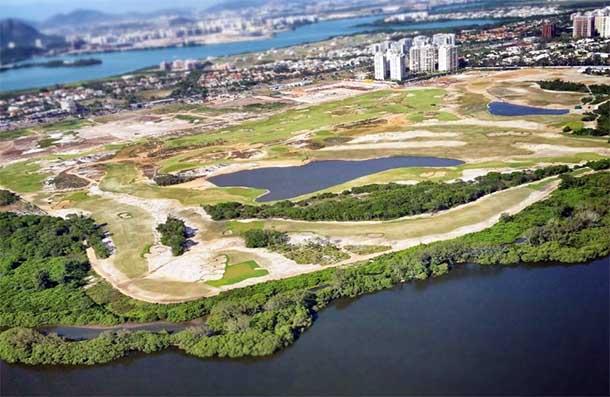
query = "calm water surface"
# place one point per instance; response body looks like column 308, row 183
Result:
column 510, row 109
column 122, row 62
column 317, row 175
column 483, row 331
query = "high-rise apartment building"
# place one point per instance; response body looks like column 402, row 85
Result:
column 398, row 69
column 583, row 25
column 421, row 54
column 447, row 58
column 548, row 30
column 414, row 59
column 602, row 22
column 441, row 39
column 428, row 58
column 381, row 66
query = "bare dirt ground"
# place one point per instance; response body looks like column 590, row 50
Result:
column 544, row 150
column 402, row 135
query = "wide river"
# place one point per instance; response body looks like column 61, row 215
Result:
column 115, row 63
column 526, row 330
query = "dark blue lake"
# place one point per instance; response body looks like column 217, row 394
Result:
column 288, row 182
column 525, row 330
column 510, row 109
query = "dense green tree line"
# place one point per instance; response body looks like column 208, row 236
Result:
column 600, row 89
column 572, row 225
column 7, row 197
column 560, row 85
column 189, row 86
column 171, row 179
column 42, row 269
column 602, row 117
column 258, row 238
column 600, row 92
column 383, row 202
column 173, row 234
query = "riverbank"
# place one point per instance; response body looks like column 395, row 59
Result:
column 453, row 332
column 79, row 63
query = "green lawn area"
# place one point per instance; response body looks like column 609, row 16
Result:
column 124, row 178
column 471, row 214
column 130, row 234
column 328, row 115
column 10, row 135
column 67, row 125
column 238, row 228
column 22, row 177
column 239, row 272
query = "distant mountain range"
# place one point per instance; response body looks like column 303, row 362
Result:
column 77, row 17
column 84, row 17
column 19, row 41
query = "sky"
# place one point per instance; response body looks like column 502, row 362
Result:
column 37, row 10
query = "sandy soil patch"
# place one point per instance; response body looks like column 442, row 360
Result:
column 194, row 265
column 306, row 238
column 402, row 135
column 472, row 174
column 546, row 150
column 395, row 145
column 134, row 128
column 517, row 124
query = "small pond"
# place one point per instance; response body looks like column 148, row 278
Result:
column 90, row 332
column 287, row 182
column 510, row 109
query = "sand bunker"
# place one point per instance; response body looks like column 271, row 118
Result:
column 519, row 124
column 546, row 150
column 192, row 266
column 402, row 135
column 395, row 145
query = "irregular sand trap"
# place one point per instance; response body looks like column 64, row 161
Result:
column 471, row 174
column 520, row 124
column 306, row 238
column 395, row 145
column 64, row 212
column 510, row 133
column 546, row 150
column 407, row 182
column 194, row 265
column 550, row 135
column 401, row 135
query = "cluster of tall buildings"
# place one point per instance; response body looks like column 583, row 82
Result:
column 591, row 23
column 420, row 54
column 179, row 65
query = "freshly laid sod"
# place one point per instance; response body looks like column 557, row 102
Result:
column 239, row 272
column 239, row 228
column 22, row 177
column 129, row 234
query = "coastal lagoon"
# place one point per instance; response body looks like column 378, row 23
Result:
column 116, row 63
column 281, row 182
column 480, row 330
